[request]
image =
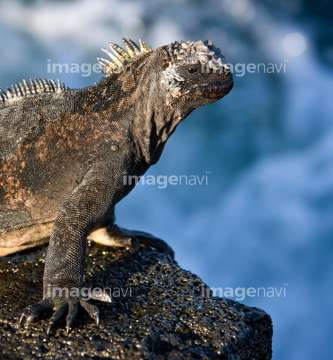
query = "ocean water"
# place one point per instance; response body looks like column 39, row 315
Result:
column 262, row 217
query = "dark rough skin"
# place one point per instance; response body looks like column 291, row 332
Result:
column 65, row 154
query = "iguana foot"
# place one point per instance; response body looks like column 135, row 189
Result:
column 116, row 236
column 61, row 306
column 146, row 239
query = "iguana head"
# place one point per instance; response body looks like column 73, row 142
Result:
column 195, row 73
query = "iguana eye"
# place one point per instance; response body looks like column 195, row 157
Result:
column 192, row 70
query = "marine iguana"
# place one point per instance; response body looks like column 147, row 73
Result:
column 64, row 154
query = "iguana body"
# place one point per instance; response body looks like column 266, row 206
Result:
column 64, row 154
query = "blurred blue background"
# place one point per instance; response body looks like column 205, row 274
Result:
column 265, row 219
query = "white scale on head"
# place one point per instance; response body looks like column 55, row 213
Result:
column 205, row 53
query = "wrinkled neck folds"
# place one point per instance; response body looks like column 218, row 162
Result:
column 155, row 118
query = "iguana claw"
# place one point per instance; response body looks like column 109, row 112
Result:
column 32, row 313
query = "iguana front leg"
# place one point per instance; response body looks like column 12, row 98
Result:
column 113, row 235
column 63, row 276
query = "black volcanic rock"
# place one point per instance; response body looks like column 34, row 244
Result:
column 158, row 312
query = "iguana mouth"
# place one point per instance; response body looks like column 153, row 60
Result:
column 217, row 90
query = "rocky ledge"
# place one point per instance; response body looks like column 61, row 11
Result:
column 158, row 312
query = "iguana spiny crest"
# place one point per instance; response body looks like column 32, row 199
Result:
column 37, row 86
column 202, row 56
column 121, row 59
